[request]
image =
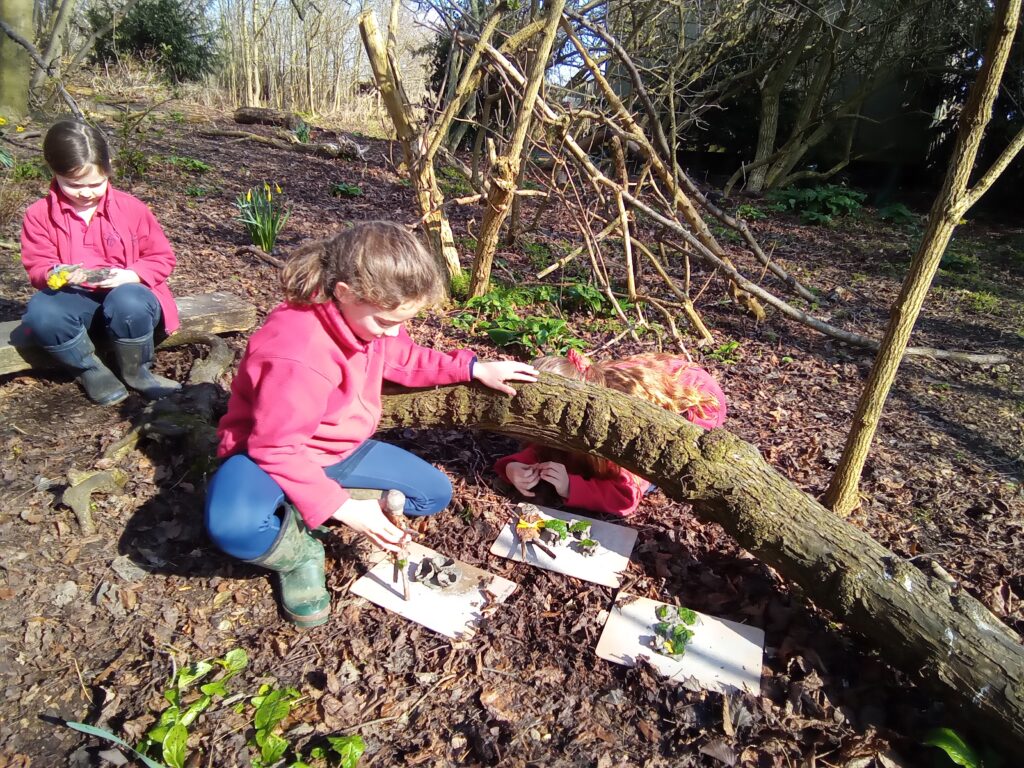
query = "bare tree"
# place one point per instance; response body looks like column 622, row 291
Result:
column 952, row 202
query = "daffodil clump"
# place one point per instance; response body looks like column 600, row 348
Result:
column 262, row 211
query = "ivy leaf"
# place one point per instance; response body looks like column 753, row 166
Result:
column 175, row 744
column 348, row 748
column 949, row 741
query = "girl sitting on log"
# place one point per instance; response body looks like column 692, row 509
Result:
column 100, row 262
column 594, row 484
column 307, row 398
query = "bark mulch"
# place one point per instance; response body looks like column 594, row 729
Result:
column 92, row 628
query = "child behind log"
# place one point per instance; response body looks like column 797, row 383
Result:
column 588, row 482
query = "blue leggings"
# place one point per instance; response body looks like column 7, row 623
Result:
column 243, row 502
column 126, row 312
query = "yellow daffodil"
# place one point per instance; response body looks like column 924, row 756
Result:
column 20, row 129
column 277, row 189
column 248, row 196
column 3, row 120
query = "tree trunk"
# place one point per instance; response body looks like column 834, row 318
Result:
column 15, row 64
column 417, row 159
column 53, row 46
column 946, row 638
column 949, row 207
column 506, row 170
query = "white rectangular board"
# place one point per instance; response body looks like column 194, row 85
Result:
column 453, row 612
column 604, row 567
column 721, row 655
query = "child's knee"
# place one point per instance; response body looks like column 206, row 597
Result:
column 430, row 498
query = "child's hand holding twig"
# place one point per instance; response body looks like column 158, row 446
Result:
column 496, row 373
column 366, row 517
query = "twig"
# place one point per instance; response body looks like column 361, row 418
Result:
column 81, row 682
column 405, row 712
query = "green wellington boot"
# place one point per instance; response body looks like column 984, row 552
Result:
column 298, row 559
column 134, row 358
column 99, row 383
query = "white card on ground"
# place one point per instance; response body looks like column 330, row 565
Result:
column 722, row 654
column 604, row 566
column 453, row 612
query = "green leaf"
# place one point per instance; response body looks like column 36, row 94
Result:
column 235, row 660
column 273, row 747
column 579, row 526
column 662, row 628
column 588, row 543
column 175, row 744
column 949, row 741
column 173, row 695
column 686, row 616
column 662, row 612
column 216, row 688
column 158, row 734
column 94, row 731
column 169, row 716
column 348, row 748
column 558, row 526
column 191, row 673
column 273, row 709
column 197, row 707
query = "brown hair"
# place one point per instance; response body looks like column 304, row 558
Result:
column 71, row 145
column 652, row 377
column 382, row 262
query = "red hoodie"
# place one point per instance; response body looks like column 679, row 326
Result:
column 308, row 393
column 129, row 235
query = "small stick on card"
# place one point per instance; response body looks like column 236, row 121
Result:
column 394, row 504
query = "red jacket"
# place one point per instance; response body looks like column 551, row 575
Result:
column 130, row 235
column 701, row 401
column 308, row 393
column 618, row 495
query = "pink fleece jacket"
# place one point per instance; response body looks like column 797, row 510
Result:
column 308, row 393
column 618, row 495
column 130, row 236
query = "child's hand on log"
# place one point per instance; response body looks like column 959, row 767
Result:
column 496, row 373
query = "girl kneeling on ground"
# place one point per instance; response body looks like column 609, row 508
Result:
column 307, row 398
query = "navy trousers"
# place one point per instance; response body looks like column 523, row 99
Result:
column 243, row 502
column 126, row 312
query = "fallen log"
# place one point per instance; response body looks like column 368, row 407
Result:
column 343, row 148
column 264, row 116
column 942, row 636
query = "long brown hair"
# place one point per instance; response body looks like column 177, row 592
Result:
column 382, row 262
column 71, row 145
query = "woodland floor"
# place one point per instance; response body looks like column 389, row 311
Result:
column 91, row 628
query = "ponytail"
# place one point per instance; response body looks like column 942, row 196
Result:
column 302, row 277
column 381, row 262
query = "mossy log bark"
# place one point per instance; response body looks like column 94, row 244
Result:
column 948, row 639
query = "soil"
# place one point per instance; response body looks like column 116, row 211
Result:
column 92, row 628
